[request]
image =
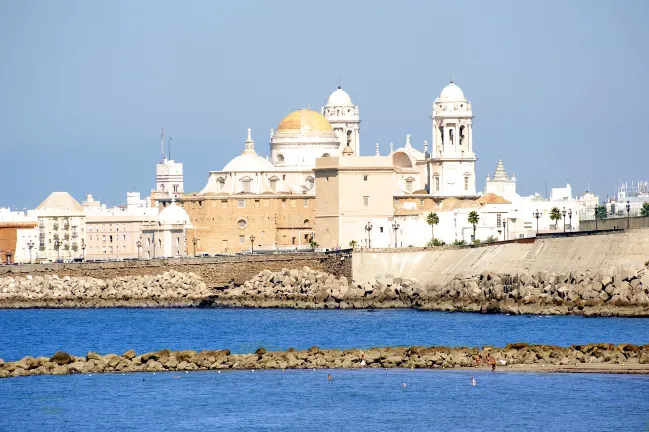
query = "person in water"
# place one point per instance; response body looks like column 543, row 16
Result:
column 493, row 364
column 473, row 381
column 329, row 377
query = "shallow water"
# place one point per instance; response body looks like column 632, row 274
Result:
column 44, row 331
column 357, row 400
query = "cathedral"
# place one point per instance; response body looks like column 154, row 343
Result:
column 269, row 203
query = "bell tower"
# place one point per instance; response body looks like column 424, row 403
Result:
column 452, row 157
column 345, row 120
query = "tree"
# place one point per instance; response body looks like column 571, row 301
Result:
column 555, row 215
column 432, row 219
column 644, row 211
column 473, row 219
column 600, row 212
column 352, row 244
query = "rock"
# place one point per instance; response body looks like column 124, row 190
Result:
column 61, row 358
column 129, row 355
column 93, row 356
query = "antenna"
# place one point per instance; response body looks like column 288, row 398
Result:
column 162, row 143
column 169, row 148
column 339, row 82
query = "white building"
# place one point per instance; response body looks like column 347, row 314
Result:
column 61, row 227
column 166, row 237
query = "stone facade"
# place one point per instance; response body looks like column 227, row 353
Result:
column 217, row 271
column 225, row 224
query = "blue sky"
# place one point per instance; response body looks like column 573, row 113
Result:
column 559, row 88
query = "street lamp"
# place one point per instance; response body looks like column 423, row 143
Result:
column 139, row 245
column 194, row 241
column 537, row 215
column 83, row 248
column 30, row 245
column 368, row 228
column 57, row 245
column 628, row 213
column 252, row 244
column 395, row 227
column 596, row 208
column 563, row 212
column 570, row 216
column 504, row 230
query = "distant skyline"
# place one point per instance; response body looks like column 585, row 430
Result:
column 559, row 88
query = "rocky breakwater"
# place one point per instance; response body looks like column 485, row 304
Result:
column 168, row 289
column 618, row 293
column 605, row 357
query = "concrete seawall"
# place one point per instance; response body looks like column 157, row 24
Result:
column 576, row 253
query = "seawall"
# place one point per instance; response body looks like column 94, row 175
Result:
column 213, row 271
column 520, row 356
column 577, row 252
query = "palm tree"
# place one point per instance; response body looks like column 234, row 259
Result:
column 600, row 212
column 555, row 215
column 352, row 244
column 473, row 219
column 644, row 211
column 432, row 219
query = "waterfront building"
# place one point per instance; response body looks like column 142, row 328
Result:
column 116, row 233
column 166, row 236
column 61, row 227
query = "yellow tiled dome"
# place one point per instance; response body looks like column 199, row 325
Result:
column 304, row 121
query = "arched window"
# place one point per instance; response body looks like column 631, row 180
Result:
column 175, row 188
column 280, row 158
column 349, row 138
column 325, row 155
column 306, row 222
column 462, row 128
column 437, row 183
column 310, row 183
column 221, row 184
column 273, row 184
column 466, row 183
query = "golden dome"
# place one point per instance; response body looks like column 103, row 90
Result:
column 304, row 121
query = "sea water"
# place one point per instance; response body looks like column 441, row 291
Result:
column 41, row 332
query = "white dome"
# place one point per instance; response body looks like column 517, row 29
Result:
column 339, row 98
column 248, row 162
column 173, row 214
column 452, row 93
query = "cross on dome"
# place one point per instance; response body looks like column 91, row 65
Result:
column 408, row 145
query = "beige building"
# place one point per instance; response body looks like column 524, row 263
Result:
column 113, row 233
column 354, row 202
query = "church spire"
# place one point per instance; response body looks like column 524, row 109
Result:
column 377, row 150
column 500, row 173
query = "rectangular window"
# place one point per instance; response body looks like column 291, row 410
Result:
column 366, row 202
column 466, row 183
column 381, row 229
column 409, row 186
column 283, row 202
column 256, row 203
column 364, row 178
column 437, row 184
column 273, row 185
column 242, row 239
column 498, row 220
column 241, row 203
column 246, row 186
column 306, row 203
column 224, row 203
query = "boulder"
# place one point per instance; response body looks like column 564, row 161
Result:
column 129, row 355
column 61, row 358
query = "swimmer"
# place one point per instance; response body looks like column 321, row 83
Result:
column 329, row 377
column 363, row 363
column 473, row 381
column 403, row 385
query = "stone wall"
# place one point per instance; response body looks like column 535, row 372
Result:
column 615, row 223
column 216, row 271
